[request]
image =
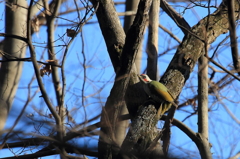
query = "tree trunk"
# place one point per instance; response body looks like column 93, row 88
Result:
column 10, row 73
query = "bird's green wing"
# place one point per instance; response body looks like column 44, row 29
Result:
column 158, row 89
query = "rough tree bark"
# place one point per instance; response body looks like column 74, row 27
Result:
column 187, row 55
column 182, row 65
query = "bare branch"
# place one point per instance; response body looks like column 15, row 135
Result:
column 179, row 20
column 233, row 35
column 170, row 33
column 36, row 69
column 235, row 156
column 203, row 106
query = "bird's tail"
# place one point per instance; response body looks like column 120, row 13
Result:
column 163, row 108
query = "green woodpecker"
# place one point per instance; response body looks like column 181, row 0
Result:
column 158, row 92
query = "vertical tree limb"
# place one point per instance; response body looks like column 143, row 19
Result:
column 152, row 44
column 10, row 72
column 50, row 17
column 51, row 50
column 203, row 106
column 233, row 35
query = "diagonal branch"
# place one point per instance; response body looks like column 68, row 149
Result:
column 178, row 19
column 112, row 30
column 188, row 54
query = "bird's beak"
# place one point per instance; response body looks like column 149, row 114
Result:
column 138, row 76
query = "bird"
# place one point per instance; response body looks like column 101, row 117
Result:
column 158, row 93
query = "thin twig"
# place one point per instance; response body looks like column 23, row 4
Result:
column 29, row 98
column 170, row 33
column 224, row 69
column 36, row 68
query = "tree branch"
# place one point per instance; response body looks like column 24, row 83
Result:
column 203, row 106
column 233, row 34
column 36, row 69
column 178, row 19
